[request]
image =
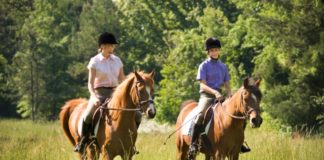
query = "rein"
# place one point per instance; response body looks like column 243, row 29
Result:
column 120, row 109
column 111, row 108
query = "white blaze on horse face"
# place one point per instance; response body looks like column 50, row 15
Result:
column 254, row 98
column 151, row 106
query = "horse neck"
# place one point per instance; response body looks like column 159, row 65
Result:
column 124, row 100
column 233, row 107
column 125, row 118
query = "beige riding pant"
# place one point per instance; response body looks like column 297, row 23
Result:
column 102, row 93
column 205, row 101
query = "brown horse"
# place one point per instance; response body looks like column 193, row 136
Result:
column 116, row 132
column 226, row 132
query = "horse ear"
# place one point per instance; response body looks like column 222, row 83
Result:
column 246, row 82
column 152, row 74
column 257, row 82
column 138, row 77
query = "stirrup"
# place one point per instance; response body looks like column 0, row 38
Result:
column 245, row 149
column 193, row 150
column 79, row 147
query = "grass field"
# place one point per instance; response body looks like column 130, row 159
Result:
column 24, row 140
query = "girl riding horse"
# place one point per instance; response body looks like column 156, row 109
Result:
column 116, row 132
column 225, row 134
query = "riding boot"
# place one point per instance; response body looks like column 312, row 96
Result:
column 137, row 124
column 194, row 139
column 245, row 149
column 84, row 137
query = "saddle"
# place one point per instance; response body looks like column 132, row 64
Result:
column 101, row 112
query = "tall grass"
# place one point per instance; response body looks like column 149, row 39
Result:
column 24, row 140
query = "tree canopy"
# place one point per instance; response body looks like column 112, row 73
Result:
column 46, row 45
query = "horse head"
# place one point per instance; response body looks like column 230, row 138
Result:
column 251, row 97
column 144, row 90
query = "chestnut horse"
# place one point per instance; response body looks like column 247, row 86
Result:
column 226, row 132
column 115, row 133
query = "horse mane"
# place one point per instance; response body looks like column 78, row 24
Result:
column 118, row 98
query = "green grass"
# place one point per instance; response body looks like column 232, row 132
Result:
column 24, row 140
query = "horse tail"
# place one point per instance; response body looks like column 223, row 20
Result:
column 185, row 103
column 65, row 114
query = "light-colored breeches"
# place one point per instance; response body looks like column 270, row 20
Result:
column 205, row 101
column 102, row 94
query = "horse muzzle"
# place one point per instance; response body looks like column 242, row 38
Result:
column 150, row 112
column 256, row 121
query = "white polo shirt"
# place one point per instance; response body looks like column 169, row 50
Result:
column 107, row 70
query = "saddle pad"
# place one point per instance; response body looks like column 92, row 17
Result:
column 186, row 124
column 208, row 120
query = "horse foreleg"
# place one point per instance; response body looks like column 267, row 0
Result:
column 130, row 157
column 105, row 154
column 182, row 148
column 107, row 157
column 234, row 157
column 93, row 152
column 208, row 157
column 80, row 156
column 219, row 156
column 182, row 153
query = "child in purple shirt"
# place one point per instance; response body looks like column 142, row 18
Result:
column 212, row 75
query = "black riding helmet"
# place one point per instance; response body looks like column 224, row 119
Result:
column 107, row 38
column 212, row 42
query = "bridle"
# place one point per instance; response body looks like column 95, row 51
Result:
column 142, row 102
column 247, row 110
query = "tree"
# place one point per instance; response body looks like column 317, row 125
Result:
column 42, row 59
column 289, row 61
column 12, row 15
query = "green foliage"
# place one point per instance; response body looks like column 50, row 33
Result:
column 179, row 81
column 23, row 107
column 42, row 59
column 12, row 18
column 287, row 62
column 46, row 45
